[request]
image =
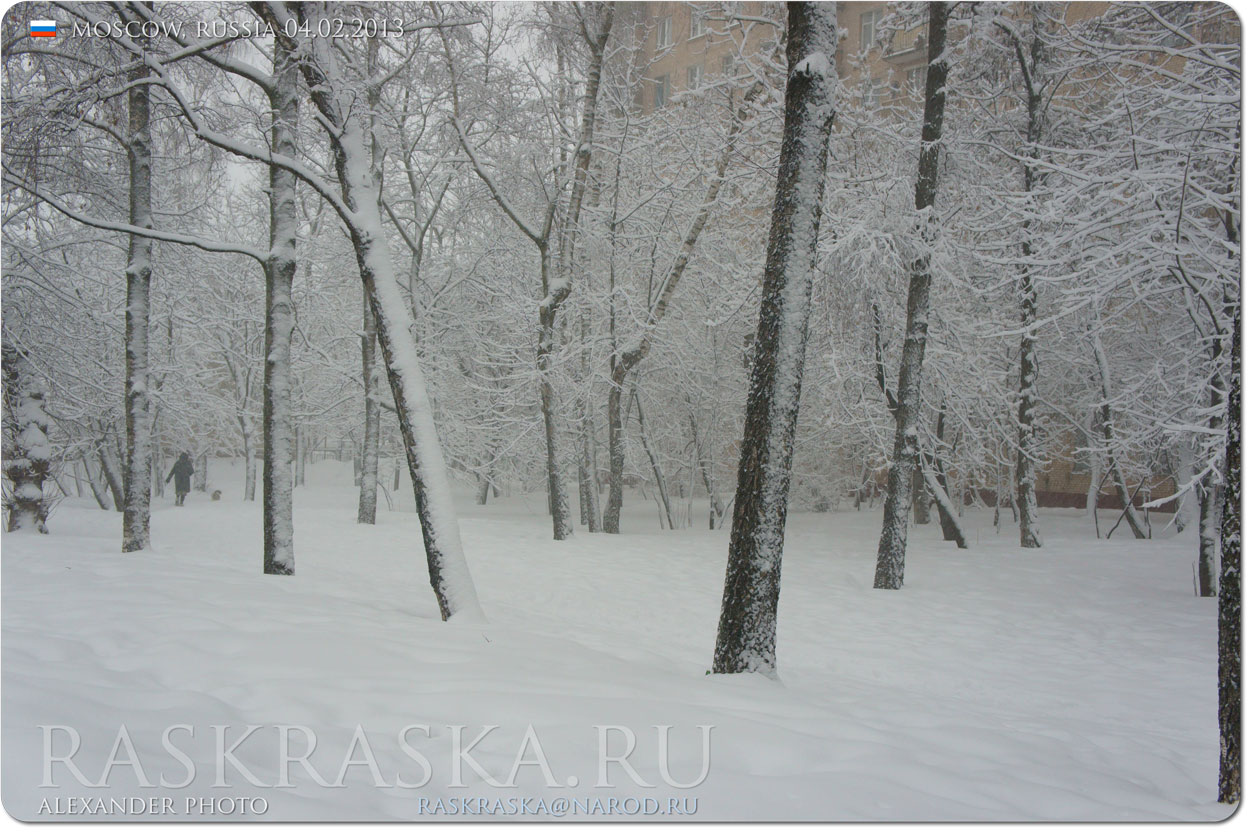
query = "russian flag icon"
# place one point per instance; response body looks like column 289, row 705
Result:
column 43, row 28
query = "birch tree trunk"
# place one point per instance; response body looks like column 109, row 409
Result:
column 892, row 546
column 368, row 508
column 746, row 635
column 279, row 526
column 137, row 468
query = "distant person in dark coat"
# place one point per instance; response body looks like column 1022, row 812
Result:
column 181, row 475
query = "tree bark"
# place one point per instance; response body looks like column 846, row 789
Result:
column 746, row 635
column 1026, row 414
column 892, row 546
column 279, row 524
column 136, row 471
column 1229, row 671
column 368, row 508
column 28, row 459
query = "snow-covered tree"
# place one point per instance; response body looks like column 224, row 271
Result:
column 746, row 638
column 27, row 452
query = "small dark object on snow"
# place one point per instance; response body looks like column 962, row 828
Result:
column 217, row 495
column 181, row 475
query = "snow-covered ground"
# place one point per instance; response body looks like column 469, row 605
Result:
column 1072, row 682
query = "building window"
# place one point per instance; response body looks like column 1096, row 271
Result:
column 661, row 91
column 727, row 66
column 868, row 22
column 696, row 24
column 664, row 32
column 694, row 76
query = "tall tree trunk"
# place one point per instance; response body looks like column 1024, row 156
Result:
column 921, row 500
column 951, row 529
column 616, row 452
column 625, row 360
column 1230, row 588
column 746, row 635
column 108, row 466
column 360, row 184
column 158, row 468
column 588, row 483
column 892, row 546
column 557, row 494
column 28, row 459
column 99, row 488
column 249, row 463
column 201, row 473
column 716, row 508
column 656, row 471
column 136, row 471
column 368, row 508
column 1108, row 435
column 1026, row 414
column 279, row 524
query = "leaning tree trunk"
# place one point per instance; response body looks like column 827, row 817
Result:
column 137, row 468
column 360, row 184
column 1230, row 590
column 1108, row 435
column 368, row 508
column 95, row 478
column 616, row 451
column 279, row 524
column 892, row 546
column 746, row 636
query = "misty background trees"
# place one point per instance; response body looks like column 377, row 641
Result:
column 497, row 246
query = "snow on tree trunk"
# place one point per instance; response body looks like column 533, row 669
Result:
column 95, row 479
column 892, row 546
column 746, row 636
column 27, row 454
column 1209, row 513
column 108, row 467
column 361, row 191
column 1230, row 589
column 201, row 473
column 587, row 483
column 1026, row 452
column 921, row 500
column 616, row 454
column 249, row 463
column 136, row 471
column 1026, row 413
column 1108, row 435
column 279, row 527
column 368, row 508
column 950, row 519
column 557, row 494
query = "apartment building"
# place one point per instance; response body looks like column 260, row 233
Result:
column 686, row 48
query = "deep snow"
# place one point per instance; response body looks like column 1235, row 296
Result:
column 1076, row 681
